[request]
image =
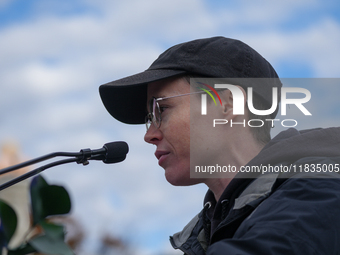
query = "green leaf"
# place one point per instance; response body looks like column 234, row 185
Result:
column 53, row 230
column 22, row 250
column 48, row 199
column 37, row 183
column 51, row 242
column 50, row 246
column 8, row 223
column 55, row 200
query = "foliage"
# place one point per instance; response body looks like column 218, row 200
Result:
column 44, row 237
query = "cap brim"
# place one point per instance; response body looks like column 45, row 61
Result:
column 126, row 99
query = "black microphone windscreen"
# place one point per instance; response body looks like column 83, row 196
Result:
column 115, row 152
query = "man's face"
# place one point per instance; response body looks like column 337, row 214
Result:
column 173, row 137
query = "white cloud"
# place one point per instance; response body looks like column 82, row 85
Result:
column 315, row 47
column 51, row 68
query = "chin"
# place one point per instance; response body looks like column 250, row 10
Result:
column 179, row 179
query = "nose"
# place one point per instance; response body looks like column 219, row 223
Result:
column 153, row 135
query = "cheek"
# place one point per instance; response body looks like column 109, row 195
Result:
column 178, row 135
column 183, row 129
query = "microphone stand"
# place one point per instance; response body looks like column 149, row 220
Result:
column 34, row 172
column 81, row 157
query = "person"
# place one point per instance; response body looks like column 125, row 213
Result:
column 244, row 213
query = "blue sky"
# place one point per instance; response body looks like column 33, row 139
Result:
column 55, row 54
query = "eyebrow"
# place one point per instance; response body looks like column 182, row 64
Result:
column 156, row 96
column 168, row 97
column 159, row 97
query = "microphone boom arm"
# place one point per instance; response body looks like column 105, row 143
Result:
column 34, row 172
column 37, row 160
column 110, row 153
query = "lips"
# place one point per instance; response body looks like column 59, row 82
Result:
column 161, row 156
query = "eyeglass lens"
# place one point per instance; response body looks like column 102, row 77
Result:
column 156, row 113
column 154, row 116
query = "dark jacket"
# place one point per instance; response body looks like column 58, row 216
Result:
column 275, row 213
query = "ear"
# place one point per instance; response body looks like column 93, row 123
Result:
column 228, row 102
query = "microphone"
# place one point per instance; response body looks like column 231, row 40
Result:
column 113, row 152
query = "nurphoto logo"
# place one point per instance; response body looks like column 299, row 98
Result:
column 238, row 104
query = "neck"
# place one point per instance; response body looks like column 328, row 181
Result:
column 238, row 155
column 217, row 186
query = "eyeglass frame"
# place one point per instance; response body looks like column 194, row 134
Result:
column 150, row 117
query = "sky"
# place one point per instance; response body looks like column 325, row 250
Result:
column 55, row 54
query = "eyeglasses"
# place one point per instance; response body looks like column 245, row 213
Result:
column 155, row 116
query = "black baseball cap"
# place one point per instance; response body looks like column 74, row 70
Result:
column 217, row 57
